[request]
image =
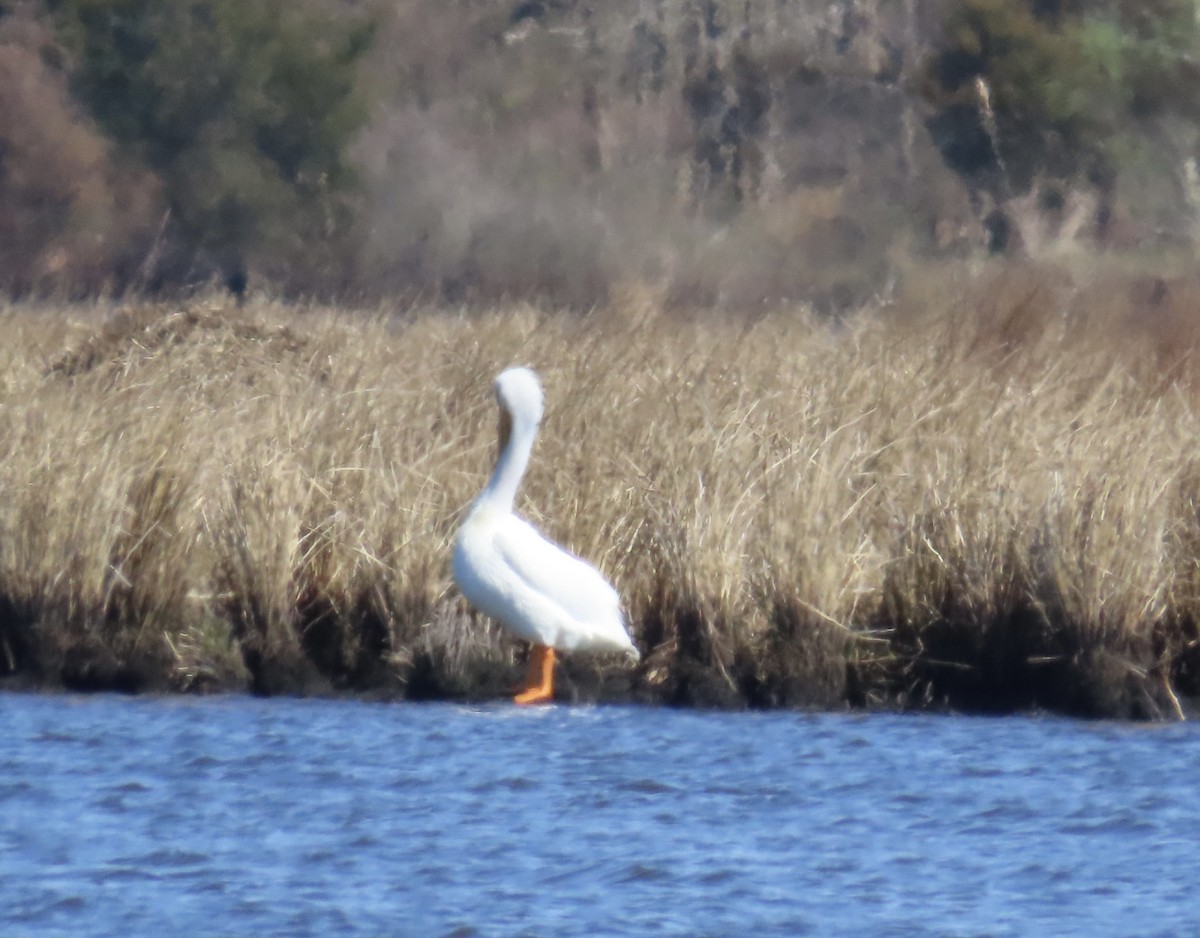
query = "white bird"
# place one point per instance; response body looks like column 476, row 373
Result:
column 506, row 569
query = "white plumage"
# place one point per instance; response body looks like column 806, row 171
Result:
column 506, row 569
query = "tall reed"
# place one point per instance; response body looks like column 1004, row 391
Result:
column 989, row 502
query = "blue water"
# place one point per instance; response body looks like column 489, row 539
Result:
column 240, row 816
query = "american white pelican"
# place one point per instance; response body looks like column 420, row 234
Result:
column 506, row 569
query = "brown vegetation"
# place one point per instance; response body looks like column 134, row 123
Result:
column 70, row 218
column 987, row 503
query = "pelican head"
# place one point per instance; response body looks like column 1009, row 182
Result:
column 519, row 395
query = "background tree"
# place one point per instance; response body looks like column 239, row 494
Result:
column 244, row 112
column 72, row 219
column 1030, row 93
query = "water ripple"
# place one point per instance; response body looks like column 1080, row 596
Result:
column 245, row 816
column 647, row 786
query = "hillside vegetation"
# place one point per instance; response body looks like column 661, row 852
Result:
column 730, row 155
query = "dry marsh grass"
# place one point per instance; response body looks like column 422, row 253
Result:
column 989, row 502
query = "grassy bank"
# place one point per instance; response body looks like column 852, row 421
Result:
column 989, row 502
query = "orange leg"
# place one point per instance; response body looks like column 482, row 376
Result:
column 539, row 686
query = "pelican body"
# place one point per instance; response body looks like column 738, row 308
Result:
column 506, row 569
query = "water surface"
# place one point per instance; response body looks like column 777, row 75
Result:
column 238, row 816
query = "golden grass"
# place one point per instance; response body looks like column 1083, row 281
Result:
column 988, row 501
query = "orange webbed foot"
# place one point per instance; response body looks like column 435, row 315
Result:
column 534, row 695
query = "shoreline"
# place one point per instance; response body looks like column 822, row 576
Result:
column 581, row 685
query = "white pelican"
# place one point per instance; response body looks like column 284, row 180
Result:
column 506, row 569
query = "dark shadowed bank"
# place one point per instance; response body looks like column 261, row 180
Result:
column 898, row 513
column 960, row 673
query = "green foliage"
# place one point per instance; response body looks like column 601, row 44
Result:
column 244, row 110
column 1034, row 119
column 1069, row 91
column 1160, row 49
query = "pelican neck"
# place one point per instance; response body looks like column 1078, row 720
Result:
column 501, row 490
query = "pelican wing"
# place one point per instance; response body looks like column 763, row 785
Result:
column 589, row 608
column 572, row 584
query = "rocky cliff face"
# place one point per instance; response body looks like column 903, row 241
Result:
column 736, row 152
